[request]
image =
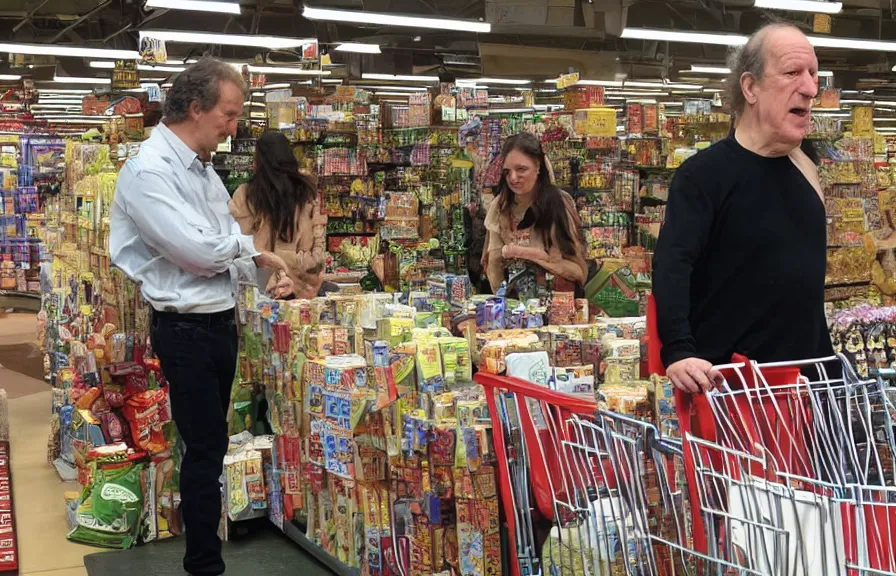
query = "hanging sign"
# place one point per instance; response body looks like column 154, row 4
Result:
column 152, row 50
column 596, row 122
column 567, row 80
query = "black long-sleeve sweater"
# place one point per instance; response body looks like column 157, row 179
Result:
column 740, row 261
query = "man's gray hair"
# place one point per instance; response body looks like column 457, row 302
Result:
column 749, row 58
column 201, row 82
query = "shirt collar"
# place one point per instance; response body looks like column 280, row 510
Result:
column 183, row 152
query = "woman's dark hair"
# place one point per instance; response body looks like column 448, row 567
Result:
column 548, row 211
column 278, row 190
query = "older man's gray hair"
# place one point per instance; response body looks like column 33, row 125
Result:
column 749, row 58
column 200, row 82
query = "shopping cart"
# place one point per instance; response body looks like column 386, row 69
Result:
column 790, row 467
column 586, row 491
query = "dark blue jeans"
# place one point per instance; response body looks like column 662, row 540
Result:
column 198, row 354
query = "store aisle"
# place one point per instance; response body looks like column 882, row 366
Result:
column 37, row 490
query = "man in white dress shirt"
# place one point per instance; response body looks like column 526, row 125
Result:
column 171, row 232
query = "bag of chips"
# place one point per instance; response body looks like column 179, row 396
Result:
column 147, row 412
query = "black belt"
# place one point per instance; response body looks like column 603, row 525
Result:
column 211, row 319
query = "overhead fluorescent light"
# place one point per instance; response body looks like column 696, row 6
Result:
column 167, row 85
column 358, row 48
column 606, row 83
column 680, row 36
column 284, row 70
column 363, row 17
column 196, row 5
column 63, row 50
column 10, row 77
column 144, row 79
column 884, row 103
column 54, row 91
column 825, row 74
column 399, row 77
column 258, row 115
column 394, row 88
column 667, row 104
column 636, row 93
column 547, row 90
column 869, row 102
column 508, row 81
column 260, row 104
column 258, row 94
column 58, row 100
column 109, row 65
column 277, row 86
column 713, row 90
column 816, row 6
column 710, row 69
column 833, row 114
column 81, row 80
column 270, row 42
column 660, row 84
column 332, row 80
column 738, row 40
column 405, row 94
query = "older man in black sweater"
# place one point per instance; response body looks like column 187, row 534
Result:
column 740, row 262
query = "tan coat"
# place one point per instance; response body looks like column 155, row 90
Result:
column 502, row 231
column 305, row 256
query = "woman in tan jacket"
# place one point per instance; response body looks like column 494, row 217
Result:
column 532, row 223
column 279, row 208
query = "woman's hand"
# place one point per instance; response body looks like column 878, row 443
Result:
column 283, row 287
column 514, row 252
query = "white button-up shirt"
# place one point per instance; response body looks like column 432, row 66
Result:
column 172, row 232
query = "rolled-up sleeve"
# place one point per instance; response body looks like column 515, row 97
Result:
column 169, row 226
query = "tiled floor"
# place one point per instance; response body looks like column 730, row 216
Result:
column 37, row 490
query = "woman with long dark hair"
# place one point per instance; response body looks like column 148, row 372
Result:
column 532, row 221
column 279, row 208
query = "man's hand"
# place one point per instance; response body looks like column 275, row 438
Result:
column 693, row 375
column 270, row 261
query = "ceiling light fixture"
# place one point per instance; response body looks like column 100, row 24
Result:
column 710, row 69
column 358, row 48
column 605, row 83
column 679, row 36
column 510, row 110
column 284, row 70
column 10, row 77
column 196, row 5
column 739, row 40
column 270, row 42
column 363, row 17
column 81, row 80
column 394, row 88
column 399, row 77
column 276, row 86
column 109, row 65
column 61, row 91
column 508, row 81
column 825, row 74
column 332, row 80
column 404, row 94
column 63, row 50
column 819, row 7
column 660, row 84
column 636, row 93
